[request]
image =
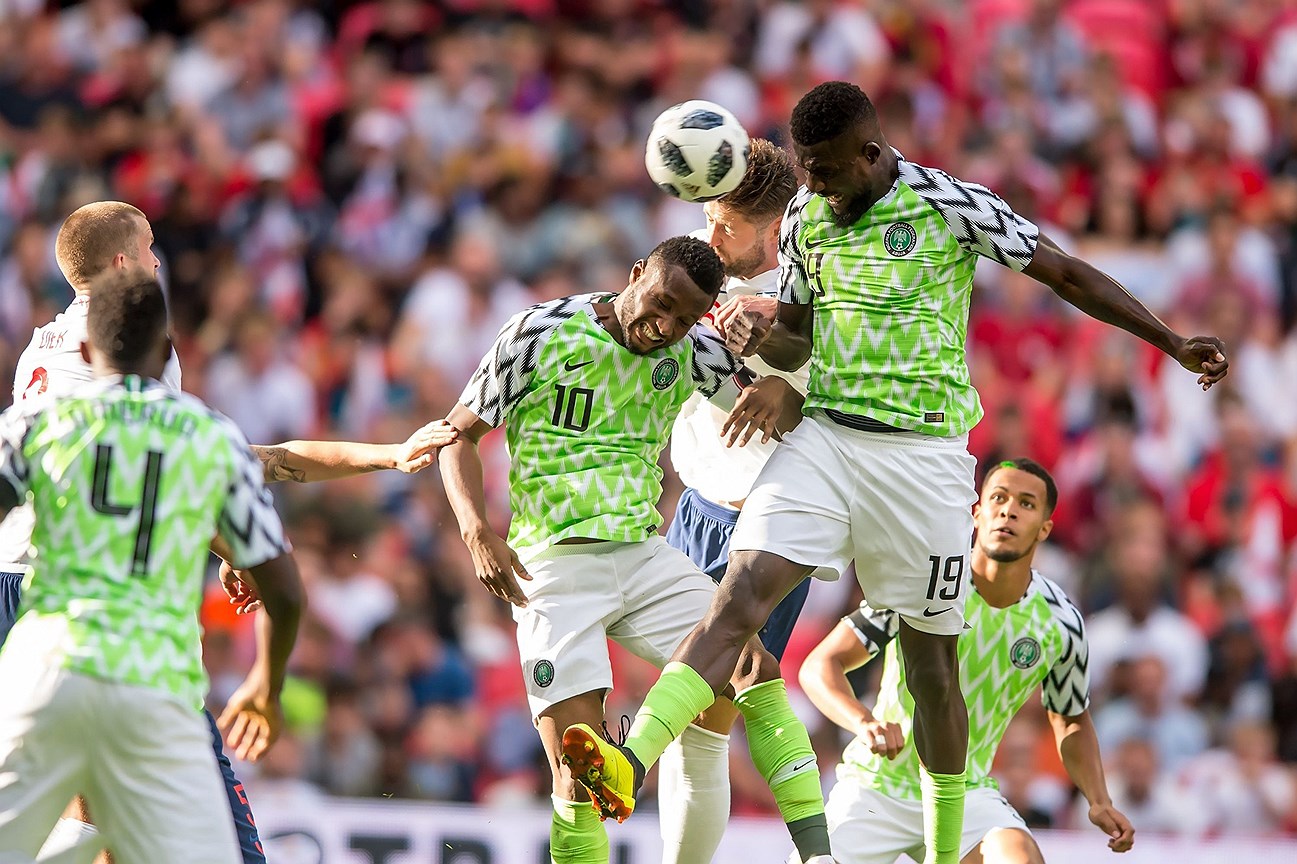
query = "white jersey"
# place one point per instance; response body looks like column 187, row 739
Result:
column 719, row 473
column 49, row 367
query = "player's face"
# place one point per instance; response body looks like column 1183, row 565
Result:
column 1011, row 516
column 659, row 307
column 841, row 171
column 738, row 242
column 141, row 254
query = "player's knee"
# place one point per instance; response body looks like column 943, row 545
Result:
column 1009, row 846
column 756, row 666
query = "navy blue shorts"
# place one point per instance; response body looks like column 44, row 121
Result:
column 702, row 530
column 11, row 588
column 244, row 824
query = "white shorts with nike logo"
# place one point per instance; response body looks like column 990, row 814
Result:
column 899, row 505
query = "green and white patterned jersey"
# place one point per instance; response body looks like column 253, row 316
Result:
column 891, row 295
column 587, row 420
column 1003, row 656
column 129, row 482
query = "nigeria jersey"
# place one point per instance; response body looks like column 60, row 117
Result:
column 129, row 482
column 1003, row 656
column 891, row 295
column 587, row 420
column 50, row 366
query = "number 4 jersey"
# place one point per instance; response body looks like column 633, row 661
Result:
column 129, row 482
column 587, row 420
column 51, row 366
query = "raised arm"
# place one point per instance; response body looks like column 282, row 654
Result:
column 496, row 564
column 823, row 677
column 1078, row 746
column 1101, row 297
column 312, row 461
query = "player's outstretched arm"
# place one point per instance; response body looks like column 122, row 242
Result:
column 823, row 677
column 252, row 719
column 497, row 565
column 312, row 461
column 1101, row 297
column 1078, row 745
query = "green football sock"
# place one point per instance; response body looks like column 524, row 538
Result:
column 943, row 815
column 576, row 836
column 781, row 750
column 679, row 696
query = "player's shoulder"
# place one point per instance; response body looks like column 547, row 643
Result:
column 540, row 320
column 1066, row 613
column 938, row 187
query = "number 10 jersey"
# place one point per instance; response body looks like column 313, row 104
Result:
column 587, row 420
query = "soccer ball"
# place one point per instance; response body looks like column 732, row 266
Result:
column 697, row 151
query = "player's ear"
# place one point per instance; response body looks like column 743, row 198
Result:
column 637, row 270
column 872, row 152
column 85, row 352
column 1045, row 531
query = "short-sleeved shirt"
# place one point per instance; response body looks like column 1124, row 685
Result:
column 891, row 295
column 1003, row 656
column 129, row 482
column 50, row 366
column 587, row 420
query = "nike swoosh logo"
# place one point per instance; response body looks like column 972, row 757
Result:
column 803, row 765
column 810, row 245
column 928, row 613
column 572, row 367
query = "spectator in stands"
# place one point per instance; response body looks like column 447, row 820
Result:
column 1149, row 797
column 1242, row 791
column 1149, row 712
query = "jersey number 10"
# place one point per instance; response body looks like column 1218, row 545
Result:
column 148, row 502
column 572, row 407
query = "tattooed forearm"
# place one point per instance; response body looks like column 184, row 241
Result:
column 274, row 461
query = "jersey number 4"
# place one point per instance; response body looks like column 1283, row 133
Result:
column 146, row 507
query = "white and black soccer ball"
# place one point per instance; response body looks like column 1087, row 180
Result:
column 697, row 151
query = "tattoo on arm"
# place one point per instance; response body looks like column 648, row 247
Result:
column 274, row 462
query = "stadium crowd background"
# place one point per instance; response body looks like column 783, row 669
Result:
column 350, row 198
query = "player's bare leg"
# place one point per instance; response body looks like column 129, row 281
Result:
column 1005, row 846
column 577, row 834
column 940, row 734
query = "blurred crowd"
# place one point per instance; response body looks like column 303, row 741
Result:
column 350, row 198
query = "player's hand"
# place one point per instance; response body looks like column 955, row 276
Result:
column 1110, row 820
column 497, row 566
column 771, row 405
column 241, row 588
column 1204, row 354
column 766, row 307
column 885, row 739
column 746, row 328
column 420, row 449
column 252, row 719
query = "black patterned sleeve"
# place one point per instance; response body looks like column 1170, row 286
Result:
column 875, row 628
column 15, row 473
column 712, row 366
column 249, row 523
column 1066, row 688
column 505, row 373
column 980, row 220
column 794, row 284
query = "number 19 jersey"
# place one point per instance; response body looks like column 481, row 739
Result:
column 587, row 420
column 128, row 483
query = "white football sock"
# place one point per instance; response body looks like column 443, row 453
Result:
column 694, row 796
column 71, row 842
